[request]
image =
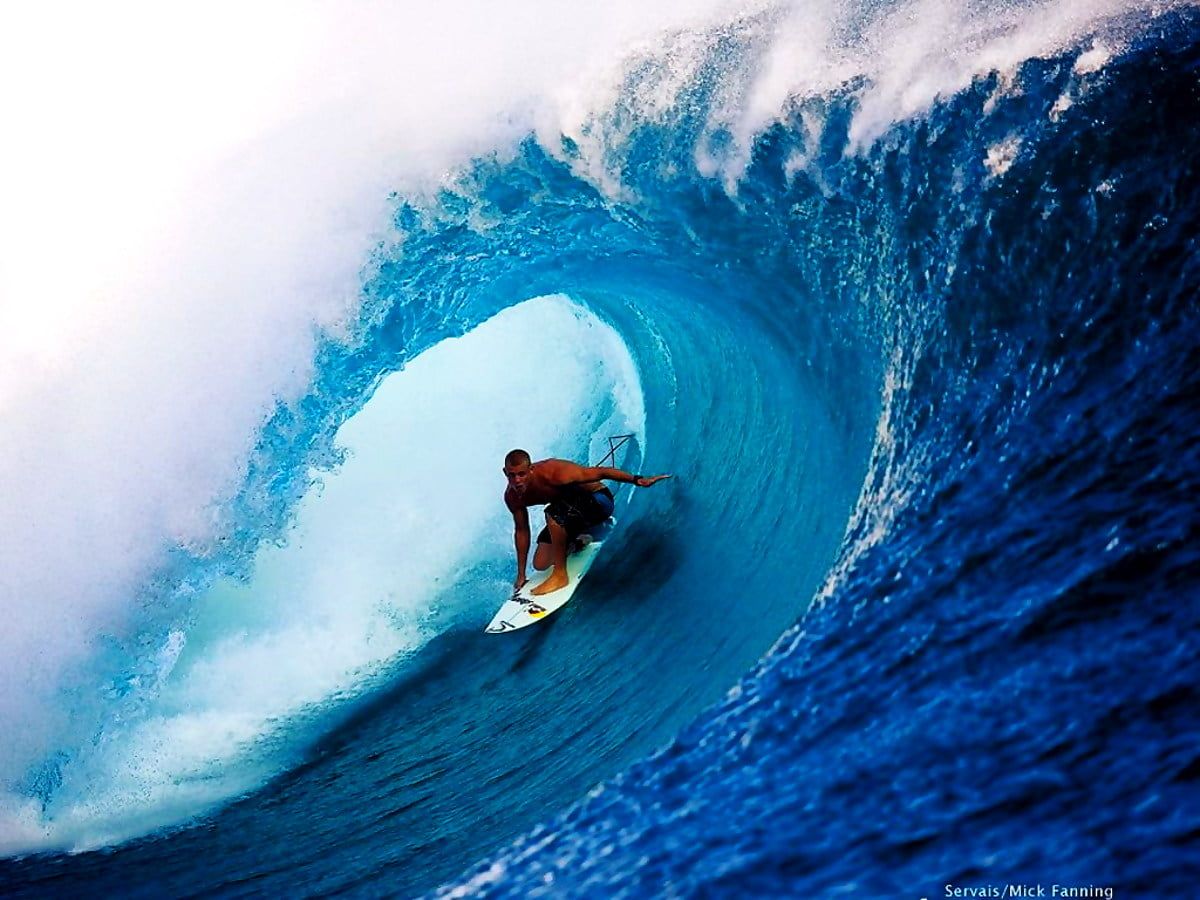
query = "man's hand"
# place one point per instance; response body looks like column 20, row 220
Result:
column 643, row 481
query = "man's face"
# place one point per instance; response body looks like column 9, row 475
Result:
column 517, row 476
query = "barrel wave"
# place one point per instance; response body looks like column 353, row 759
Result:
column 916, row 337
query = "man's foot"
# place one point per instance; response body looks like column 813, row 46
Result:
column 556, row 581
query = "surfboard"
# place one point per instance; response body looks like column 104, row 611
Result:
column 523, row 609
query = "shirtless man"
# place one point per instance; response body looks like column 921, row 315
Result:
column 576, row 500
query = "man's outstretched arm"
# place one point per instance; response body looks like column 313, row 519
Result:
column 606, row 473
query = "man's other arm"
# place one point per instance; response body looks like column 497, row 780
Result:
column 521, row 539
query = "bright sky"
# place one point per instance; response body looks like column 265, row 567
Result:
column 108, row 109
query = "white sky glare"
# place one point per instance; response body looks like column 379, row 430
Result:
column 115, row 113
column 109, row 110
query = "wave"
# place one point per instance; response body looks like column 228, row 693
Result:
column 846, row 280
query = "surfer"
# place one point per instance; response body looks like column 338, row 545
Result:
column 576, row 500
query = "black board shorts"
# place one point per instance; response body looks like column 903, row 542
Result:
column 578, row 510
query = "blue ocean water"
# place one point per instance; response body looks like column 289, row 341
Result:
column 918, row 610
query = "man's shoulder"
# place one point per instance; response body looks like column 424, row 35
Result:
column 551, row 467
column 511, row 500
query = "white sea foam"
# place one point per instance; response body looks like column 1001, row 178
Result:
column 1001, row 155
column 897, row 61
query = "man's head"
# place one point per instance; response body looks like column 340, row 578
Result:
column 516, row 469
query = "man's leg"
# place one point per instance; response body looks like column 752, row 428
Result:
column 558, row 558
column 543, row 556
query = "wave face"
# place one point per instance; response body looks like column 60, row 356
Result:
column 996, row 685
column 913, row 324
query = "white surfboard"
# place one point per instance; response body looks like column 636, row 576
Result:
column 523, row 608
